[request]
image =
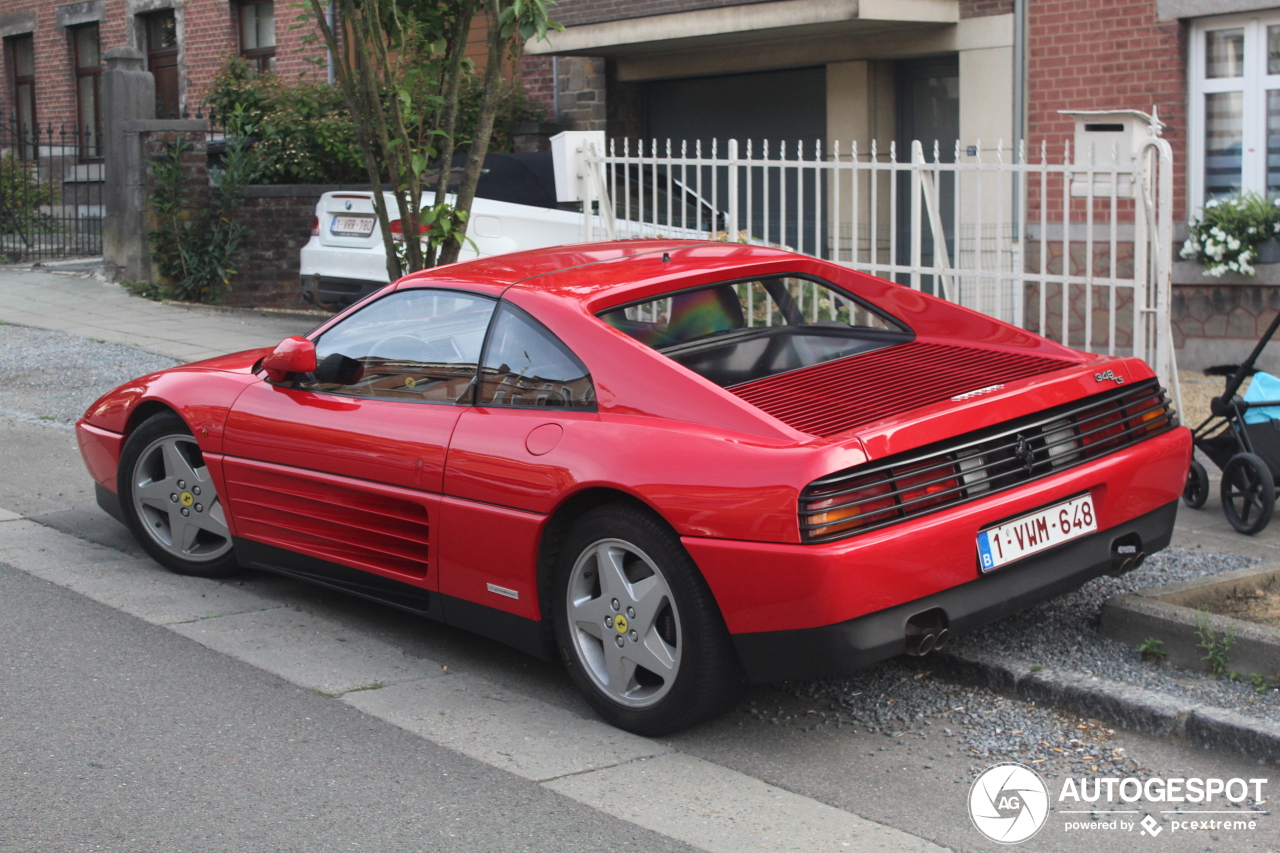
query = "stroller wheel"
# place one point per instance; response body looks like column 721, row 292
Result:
column 1196, row 492
column 1248, row 493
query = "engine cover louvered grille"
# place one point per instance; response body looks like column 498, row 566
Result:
column 835, row 397
column 971, row 466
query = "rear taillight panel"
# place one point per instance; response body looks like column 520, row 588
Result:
column 977, row 464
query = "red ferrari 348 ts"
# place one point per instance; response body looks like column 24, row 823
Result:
column 679, row 466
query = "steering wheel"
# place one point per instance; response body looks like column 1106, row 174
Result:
column 401, row 348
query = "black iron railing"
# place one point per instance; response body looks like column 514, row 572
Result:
column 51, row 199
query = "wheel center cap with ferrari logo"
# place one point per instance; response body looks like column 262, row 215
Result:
column 620, row 624
column 187, row 499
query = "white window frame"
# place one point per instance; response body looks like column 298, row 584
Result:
column 1254, row 84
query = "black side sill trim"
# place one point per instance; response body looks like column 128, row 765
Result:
column 526, row 635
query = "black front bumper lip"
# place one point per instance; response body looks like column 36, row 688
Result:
column 769, row 656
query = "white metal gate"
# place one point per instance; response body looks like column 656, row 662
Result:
column 1080, row 252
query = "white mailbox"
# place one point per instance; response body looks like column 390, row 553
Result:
column 568, row 150
column 1105, row 139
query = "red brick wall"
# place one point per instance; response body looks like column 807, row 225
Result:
column 537, row 74
column 1104, row 54
column 207, row 34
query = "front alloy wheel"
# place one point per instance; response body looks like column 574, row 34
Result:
column 638, row 628
column 171, row 502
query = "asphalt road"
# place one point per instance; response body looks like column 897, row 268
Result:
column 124, row 736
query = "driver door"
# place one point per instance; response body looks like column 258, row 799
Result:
column 346, row 464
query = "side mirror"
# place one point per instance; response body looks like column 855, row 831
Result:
column 295, row 354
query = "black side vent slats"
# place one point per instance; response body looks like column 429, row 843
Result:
column 969, row 466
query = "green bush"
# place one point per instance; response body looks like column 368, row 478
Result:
column 196, row 240
column 303, row 130
column 21, row 197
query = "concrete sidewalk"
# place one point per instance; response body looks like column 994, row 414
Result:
column 79, row 303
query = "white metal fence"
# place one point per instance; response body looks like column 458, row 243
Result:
column 1077, row 251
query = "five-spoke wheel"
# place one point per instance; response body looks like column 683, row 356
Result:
column 170, row 500
column 1248, row 493
column 624, row 622
column 637, row 626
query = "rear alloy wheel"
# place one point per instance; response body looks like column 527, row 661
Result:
column 637, row 626
column 1196, row 491
column 170, row 500
column 1248, row 493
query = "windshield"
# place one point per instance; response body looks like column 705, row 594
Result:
column 742, row 331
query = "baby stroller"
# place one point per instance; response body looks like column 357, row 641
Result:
column 1245, row 446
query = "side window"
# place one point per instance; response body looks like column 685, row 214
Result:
column 527, row 366
column 418, row 346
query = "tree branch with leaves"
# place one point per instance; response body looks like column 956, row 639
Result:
column 400, row 66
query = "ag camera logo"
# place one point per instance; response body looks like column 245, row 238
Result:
column 1009, row 803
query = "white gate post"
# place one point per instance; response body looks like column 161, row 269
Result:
column 731, row 222
column 917, row 162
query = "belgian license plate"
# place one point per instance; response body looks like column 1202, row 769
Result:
column 351, row 226
column 1035, row 532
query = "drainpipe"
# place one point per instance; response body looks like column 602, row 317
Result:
column 555, row 89
column 332, row 15
column 1019, row 103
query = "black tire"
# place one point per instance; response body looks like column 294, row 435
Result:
column 687, row 628
column 165, row 493
column 1248, row 493
column 1196, row 491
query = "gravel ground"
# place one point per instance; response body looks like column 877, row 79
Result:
column 901, row 699
column 51, row 377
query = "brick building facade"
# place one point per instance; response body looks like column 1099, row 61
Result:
column 185, row 43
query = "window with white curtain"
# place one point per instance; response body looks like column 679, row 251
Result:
column 1234, row 81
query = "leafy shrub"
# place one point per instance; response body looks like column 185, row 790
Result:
column 23, row 194
column 196, row 240
column 302, row 130
column 1225, row 237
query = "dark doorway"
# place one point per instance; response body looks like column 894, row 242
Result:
column 161, row 29
column 781, row 107
column 928, row 101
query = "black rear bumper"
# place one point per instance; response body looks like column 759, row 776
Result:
column 325, row 291
column 769, row 656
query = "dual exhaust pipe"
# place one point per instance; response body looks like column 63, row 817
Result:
column 1126, row 555
column 927, row 632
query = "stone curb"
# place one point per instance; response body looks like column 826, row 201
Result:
column 1132, row 708
column 1167, row 613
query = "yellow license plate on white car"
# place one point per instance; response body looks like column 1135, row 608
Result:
column 1035, row 532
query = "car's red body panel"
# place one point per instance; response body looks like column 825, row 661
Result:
column 457, row 499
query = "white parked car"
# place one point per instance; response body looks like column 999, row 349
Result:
column 515, row 209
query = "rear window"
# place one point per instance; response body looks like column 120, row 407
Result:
column 738, row 332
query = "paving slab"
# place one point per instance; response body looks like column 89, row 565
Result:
column 716, row 809
column 308, row 650
column 504, row 728
column 81, row 304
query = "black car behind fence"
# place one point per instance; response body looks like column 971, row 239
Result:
column 51, row 204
